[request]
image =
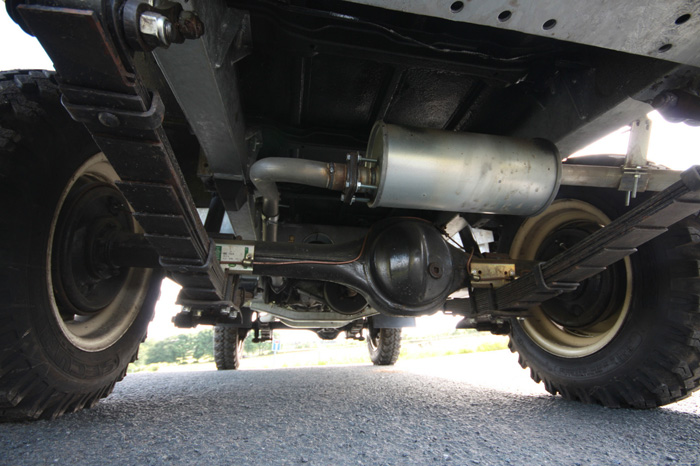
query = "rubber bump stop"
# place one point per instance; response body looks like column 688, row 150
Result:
column 691, row 178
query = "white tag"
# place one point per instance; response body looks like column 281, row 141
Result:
column 236, row 257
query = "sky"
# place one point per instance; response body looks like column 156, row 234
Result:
column 676, row 146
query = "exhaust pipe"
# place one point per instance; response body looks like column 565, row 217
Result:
column 266, row 173
column 426, row 169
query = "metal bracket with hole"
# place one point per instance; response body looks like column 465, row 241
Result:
column 486, row 274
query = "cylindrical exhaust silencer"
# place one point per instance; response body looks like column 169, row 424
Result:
column 462, row 172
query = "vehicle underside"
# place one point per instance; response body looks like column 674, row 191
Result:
column 375, row 161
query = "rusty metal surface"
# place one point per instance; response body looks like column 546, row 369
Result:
column 64, row 34
column 485, row 274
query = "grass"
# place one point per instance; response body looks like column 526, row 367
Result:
column 337, row 353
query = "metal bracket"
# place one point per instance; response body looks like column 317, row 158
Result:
column 236, row 38
column 491, row 274
column 151, row 119
column 354, row 332
column 236, row 256
column 353, row 185
column 455, row 225
column 486, row 323
column 635, row 176
column 554, row 288
column 197, row 311
column 351, row 181
column 181, row 266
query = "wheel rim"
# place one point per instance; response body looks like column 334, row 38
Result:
column 582, row 322
column 94, row 303
column 373, row 339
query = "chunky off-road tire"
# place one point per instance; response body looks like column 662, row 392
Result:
column 384, row 346
column 640, row 348
column 65, row 339
column 228, row 347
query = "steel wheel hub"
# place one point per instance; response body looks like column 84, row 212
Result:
column 93, row 301
column 579, row 323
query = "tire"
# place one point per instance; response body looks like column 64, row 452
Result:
column 228, row 347
column 69, row 323
column 384, row 346
column 630, row 337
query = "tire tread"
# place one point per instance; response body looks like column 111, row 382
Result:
column 388, row 347
column 29, row 100
column 227, row 348
column 673, row 371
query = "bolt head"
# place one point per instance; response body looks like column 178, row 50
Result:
column 110, row 120
column 435, row 270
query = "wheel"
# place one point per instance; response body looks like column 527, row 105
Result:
column 70, row 322
column 228, row 347
column 384, row 345
column 628, row 337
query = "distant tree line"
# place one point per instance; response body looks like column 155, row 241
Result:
column 179, row 348
column 191, row 347
column 256, row 349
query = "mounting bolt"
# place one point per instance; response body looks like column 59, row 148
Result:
column 435, row 270
column 115, row 208
column 107, row 119
column 158, row 26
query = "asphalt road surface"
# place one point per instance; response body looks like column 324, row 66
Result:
column 476, row 409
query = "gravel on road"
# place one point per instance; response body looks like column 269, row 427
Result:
column 462, row 410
